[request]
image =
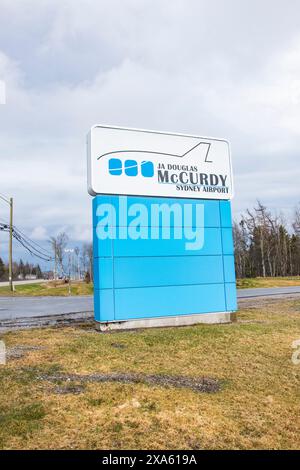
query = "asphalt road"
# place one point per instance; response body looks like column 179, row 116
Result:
column 263, row 291
column 27, row 307
column 33, row 307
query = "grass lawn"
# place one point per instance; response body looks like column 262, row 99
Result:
column 50, row 397
column 268, row 282
column 48, row 288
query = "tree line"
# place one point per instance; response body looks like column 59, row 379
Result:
column 265, row 245
column 20, row 270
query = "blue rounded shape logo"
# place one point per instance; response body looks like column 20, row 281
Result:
column 115, row 166
column 147, row 169
column 131, row 168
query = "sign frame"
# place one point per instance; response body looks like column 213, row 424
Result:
column 207, row 141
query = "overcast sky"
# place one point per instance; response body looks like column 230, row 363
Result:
column 224, row 68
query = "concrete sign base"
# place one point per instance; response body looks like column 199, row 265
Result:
column 179, row 320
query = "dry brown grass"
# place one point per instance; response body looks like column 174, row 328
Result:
column 268, row 282
column 258, row 405
column 51, row 288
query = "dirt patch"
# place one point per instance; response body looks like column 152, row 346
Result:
column 73, row 389
column 259, row 303
column 20, row 351
column 200, row 384
column 258, row 322
column 118, row 345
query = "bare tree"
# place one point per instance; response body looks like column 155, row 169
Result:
column 58, row 245
column 87, row 259
column 77, row 252
column 264, row 246
column 296, row 222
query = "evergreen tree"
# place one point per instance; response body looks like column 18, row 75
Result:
column 2, row 270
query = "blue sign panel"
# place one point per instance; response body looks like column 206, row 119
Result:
column 160, row 257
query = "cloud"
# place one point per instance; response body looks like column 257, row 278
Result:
column 39, row 233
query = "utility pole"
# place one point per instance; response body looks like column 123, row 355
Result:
column 11, row 205
column 77, row 251
column 55, row 261
column 70, row 251
column 10, row 202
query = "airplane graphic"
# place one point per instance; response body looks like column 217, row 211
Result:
column 195, row 147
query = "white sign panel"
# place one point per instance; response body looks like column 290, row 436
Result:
column 148, row 163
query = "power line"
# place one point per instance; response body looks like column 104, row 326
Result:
column 31, row 251
column 4, row 197
column 31, row 248
column 23, row 242
column 31, row 242
column 27, row 243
